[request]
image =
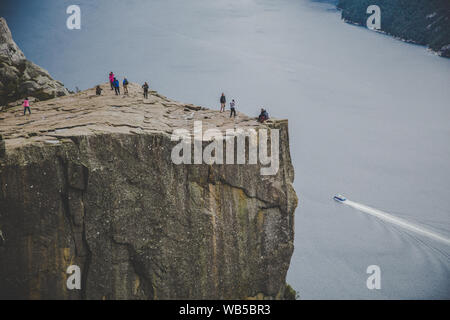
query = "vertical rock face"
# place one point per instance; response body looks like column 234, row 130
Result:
column 102, row 192
column 19, row 77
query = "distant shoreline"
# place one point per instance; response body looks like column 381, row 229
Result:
column 427, row 25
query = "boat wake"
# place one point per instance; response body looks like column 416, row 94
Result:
column 397, row 221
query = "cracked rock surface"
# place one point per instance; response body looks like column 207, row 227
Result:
column 88, row 180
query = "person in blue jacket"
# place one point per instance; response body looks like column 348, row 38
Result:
column 116, row 86
column 263, row 116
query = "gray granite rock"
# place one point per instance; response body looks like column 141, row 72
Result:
column 88, row 180
column 19, row 77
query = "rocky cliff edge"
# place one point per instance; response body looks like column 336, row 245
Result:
column 88, row 180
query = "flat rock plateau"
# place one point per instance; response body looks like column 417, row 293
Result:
column 89, row 181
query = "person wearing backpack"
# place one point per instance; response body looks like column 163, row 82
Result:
column 125, row 86
column 223, row 101
column 145, row 87
column 116, row 86
column 263, row 116
column 26, row 106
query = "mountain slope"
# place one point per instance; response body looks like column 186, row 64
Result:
column 19, row 77
column 422, row 22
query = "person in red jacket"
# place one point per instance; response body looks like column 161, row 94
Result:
column 111, row 80
column 26, row 106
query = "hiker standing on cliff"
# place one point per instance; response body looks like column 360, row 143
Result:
column 223, row 101
column 232, row 108
column 125, row 86
column 116, row 86
column 111, row 80
column 145, row 87
column 26, row 106
column 98, row 90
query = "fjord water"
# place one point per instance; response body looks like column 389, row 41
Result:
column 369, row 117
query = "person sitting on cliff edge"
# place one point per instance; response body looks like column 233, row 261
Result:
column 26, row 106
column 263, row 116
column 98, row 90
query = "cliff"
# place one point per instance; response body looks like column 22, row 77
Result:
column 88, row 180
column 422, row 22
column 20, row 78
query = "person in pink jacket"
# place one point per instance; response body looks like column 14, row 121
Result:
column 26, row 106
column 111, row 80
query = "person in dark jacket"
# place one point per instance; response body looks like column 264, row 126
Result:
column 98, row 90
column 116, row 86
column 145, row 87
column 223, row 102
column 125, row 86
column 233, row 108
column 263, row 116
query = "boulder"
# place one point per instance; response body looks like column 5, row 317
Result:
column 19, row 77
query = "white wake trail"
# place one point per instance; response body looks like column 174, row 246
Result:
column 397, row 221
